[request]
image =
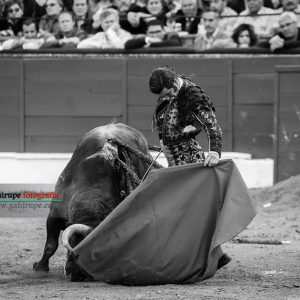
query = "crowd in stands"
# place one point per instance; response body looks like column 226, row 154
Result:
column 136, row 24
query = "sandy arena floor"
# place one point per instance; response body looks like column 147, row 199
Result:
column 257, row 271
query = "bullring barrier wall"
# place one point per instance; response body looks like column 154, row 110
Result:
column 49, row 100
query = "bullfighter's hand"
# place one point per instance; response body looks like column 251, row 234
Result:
column 211, row 159
column 189, row 128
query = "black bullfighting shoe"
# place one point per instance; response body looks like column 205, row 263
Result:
column 224, row 260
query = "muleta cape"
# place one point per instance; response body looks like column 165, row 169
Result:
column 168, row 229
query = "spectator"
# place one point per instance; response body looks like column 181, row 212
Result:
column 29, row 29
column 124, row 6
column 101, row 5
column 48, row 24
column 95, row 5
column 288, row 36
column 157, row 9
column 239, row 5
column 276, row 4
column 204, row 4
column 111, row 37
column 2, row 7
column 260, row 17
column 30, row 37
column 156, row 36
column 67, row 5
column 290, row 5
column 34, row 8
column 140, row 3
column 244, row 36
column 4, row 26
column 213, row 34
column 136, row 12
column 39, row 8
column 173, row 6
column 189, row 16
column 80, row 10
column 28, row 8
column 227, row 15
column 12, row 26
column 68, row 35
column 154, row 10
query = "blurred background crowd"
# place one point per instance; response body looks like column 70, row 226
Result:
column 134, row 24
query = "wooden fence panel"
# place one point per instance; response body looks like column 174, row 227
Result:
column 10, row 105
column 73, row 88
column 65, row 98
column 287, row 122
column 253, row 93
column 254, row 88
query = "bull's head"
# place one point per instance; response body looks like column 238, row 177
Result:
column 71, row 237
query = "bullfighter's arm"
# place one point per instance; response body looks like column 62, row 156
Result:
column 203, row 113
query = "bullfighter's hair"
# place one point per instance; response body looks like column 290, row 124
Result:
column 160, row 78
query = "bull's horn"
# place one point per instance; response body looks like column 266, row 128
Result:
column 75, row 228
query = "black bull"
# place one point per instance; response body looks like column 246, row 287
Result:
column 101, row 172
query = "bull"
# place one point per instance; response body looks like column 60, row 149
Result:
column 107, row 164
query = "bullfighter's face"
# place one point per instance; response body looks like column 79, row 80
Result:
column 173, row 91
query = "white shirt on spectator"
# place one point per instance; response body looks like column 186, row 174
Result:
column 228, row 24
column 106, row 40
column 203, row 41
column 263, row 25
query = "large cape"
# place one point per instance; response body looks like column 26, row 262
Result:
column 168, row 230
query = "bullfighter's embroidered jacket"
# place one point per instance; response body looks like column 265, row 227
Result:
column 190, row 107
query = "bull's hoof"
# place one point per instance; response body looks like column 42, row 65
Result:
column 224, row 260
column 38, row 267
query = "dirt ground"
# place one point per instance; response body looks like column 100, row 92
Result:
column 257, row 271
